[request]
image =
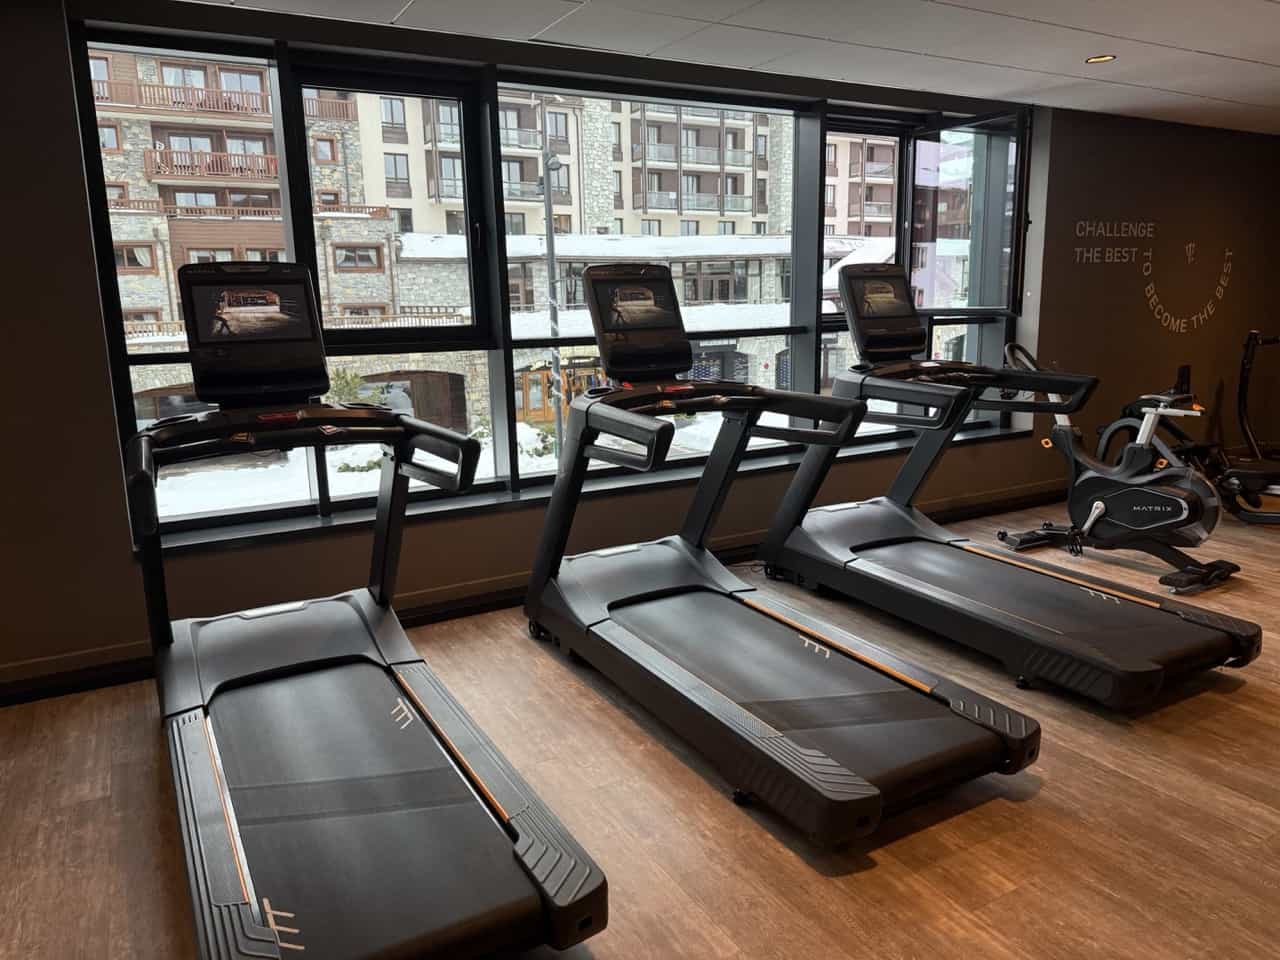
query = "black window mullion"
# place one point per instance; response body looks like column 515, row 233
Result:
column 807, row 245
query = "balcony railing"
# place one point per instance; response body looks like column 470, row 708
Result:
column 879, row 168
column 194, row 164
column 412, row 316
column 450, row 133
column 658, row 107
column 617, row 201
column 702, row 112
column 691, row 154
column 702, row 201
column 830, row 169
column 203, row 99
column 877, row 208
column 737, row 114
column 152, row 329
column 395, row 133
column 522, row 189
column 829, row 210
column 328, row 108
column 665, row 152
column 855, row 170
column 520, row 137
column 373, row 212
column 737, row 158
column 115, row 91
column 450, row 187
column 558, row 145
column 656, row 199
column 191, row 211
column 737, row 202
column 561, row 196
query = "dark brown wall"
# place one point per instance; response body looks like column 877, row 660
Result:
column 72, row 592
column 1217, row 189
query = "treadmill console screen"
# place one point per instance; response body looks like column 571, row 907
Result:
column 881, row 312
column 637, row 320
column 254, row 333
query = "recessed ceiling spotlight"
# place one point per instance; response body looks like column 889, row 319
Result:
column 1100, row 58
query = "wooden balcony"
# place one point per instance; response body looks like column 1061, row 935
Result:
column 203, row 100
column 328, row 108
column 116, row 91
column 197, row 165
column 411, row 316
column 360, row 209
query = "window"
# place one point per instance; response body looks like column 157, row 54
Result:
column 392, row 112
column 454, row 222
column 396, row 168
column 195, row 198
column 651, row 228
column 762, row 192
column 182, row 75
column 726, row 227
column 514, row 224
column 688, row 228
column 259, row 254
column 109, row 137
column 450, row 176
column 99, row 68
column 829, row 229
column 759, row 227
column 328, row 198
column 618, row 225
column 404, row 219
column 239, row 198
column 240, row 81
column 615, row 137
column 210, row 254
column 135, row 258
column 357, row 258
column 117, row 191
column 831, row 158
column 559, row 180
column 557, row 125
column 325, row 150
column 450, row 125
column 962, row 216
column 762, row 145
column 829, row 195
column 562, row 223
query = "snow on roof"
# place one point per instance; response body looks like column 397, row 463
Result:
column 874, row 250
column 612, row 246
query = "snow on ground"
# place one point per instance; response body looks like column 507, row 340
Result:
column 615, row 246
column 700, row 318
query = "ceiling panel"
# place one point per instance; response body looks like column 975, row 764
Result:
column 618, row 28
column 731, row 46
column 372, row 11
column 706, row 10
column 1239, row 28
column 520, row 20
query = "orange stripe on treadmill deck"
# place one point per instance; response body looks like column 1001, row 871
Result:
column 226, row 814
column 852, row 654
column 454, row 751
column 1059, row 576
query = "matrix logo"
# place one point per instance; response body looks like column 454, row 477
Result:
column 1152, row 508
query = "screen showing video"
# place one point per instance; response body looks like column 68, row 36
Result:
column 882, row 297
column 636, row 304
column 227, row 312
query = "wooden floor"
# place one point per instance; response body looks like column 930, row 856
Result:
column 1152, row 836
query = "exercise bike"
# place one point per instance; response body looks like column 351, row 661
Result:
column 1241, row 482
column 1150, row 500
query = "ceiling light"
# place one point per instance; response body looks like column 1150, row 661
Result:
column 1100, row 58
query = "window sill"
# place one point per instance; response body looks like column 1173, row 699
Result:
column 302, row 528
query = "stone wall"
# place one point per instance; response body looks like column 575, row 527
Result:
column 347, row 175
column 146, row 291
column 353, row 287
column 434, row 283
column 126, row 166
column 781, row 165
column 597, row 166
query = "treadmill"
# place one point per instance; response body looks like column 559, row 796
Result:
column 1113, row 644
column 334, row 799
column 823, row 727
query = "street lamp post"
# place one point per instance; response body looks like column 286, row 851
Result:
column 551, row 163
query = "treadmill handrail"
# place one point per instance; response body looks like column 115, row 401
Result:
column 948, row 402
column 652, row 433
column 1065, row 393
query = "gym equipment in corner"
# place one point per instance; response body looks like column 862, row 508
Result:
column 825, row 728
column 1241, row 482
column 1112, row 644
column 1149, row 499
column 333, row 797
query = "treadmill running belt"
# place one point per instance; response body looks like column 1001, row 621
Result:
column 360, row 834
column 1055, row 605
column 901, row 740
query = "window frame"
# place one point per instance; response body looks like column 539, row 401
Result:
column 325, row 65
column 134, row 244
column 333, row 150
column 115, row 126
column 378, row 267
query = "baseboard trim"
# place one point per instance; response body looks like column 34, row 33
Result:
column 77, row 680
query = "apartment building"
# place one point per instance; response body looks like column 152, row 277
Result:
column 861, row 185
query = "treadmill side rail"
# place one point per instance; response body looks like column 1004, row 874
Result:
column 227, row 925
column 573, row 889
column 1019, row 733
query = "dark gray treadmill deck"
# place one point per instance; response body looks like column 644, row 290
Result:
column 356, row 824
column 1057, row 605
column 897, row 738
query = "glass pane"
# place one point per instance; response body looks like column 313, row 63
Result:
column 449, row 389
column 839, row 353
column 387, row 177
column 705, row 187
column 545, row 377
column 190, row 148
column 247, row 481
column 860, row 204
column 962, row 219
